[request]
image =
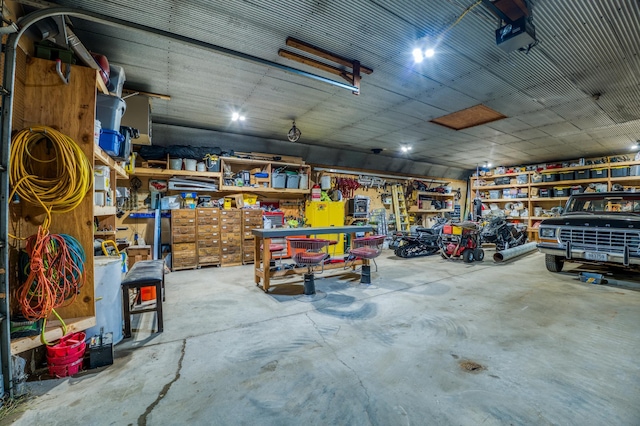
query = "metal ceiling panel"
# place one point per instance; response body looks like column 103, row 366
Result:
column 587, row 50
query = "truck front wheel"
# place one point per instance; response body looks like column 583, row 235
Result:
column 553, row 263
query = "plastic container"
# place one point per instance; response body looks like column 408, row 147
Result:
column 577, row 189
column 316, row 193
column 293, row 181
column 582, row 174
column 175, row 163
column 325, row 182
column 213, row 165
column 97, row 129
column 111, row 141
column 634, row 171
column 68, row 345
column 190, row 164
column 278, row 180
column 116, row 79
column 567, row 175
column 599, row 173
column 66, row 369
column 148, row 293
column 549, row 177
column 109, row 110
column 304, row 181
column 494, row 194
column 561, row 191
column 201, row 167
column 619, row 171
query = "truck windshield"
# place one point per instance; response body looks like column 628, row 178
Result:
column 605, row 204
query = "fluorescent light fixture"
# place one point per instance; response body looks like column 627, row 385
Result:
column 235, row 116
column 428, row 53
column 417, row 55
column 242, row 118
column 405, row 148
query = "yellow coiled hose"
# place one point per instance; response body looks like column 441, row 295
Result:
column 67, row 178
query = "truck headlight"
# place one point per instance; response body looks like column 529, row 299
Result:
column 547, row 232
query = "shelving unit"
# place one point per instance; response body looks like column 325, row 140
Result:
column 532, row 201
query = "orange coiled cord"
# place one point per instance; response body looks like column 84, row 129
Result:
column 56, row 274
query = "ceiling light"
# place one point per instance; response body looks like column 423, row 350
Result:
column 634, row 146
column 242, row 118
column 235, row 116
column 488, row 164
column 405, row 148
column 417, row 55
column 429, row 53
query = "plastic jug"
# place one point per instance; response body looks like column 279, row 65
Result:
column 316, row 193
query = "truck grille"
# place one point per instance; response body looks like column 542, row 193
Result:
column 601, row 240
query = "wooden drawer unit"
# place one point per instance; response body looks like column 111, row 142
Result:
column 183, row 247
column 210, row 242
column 183, row 239
column 248, row 255
column 231, row 259
column 208, row 229
column 208, row 216
column 231, row 249
column 205, row 260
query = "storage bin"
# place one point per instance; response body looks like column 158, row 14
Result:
column 561, row 191
column 116, row 79
column 293, row 181
column 619, row 171
column 577, row 189
column 502, row 180
column 549, row 177
column 545, row 192
column 522, row 179
column 536, row 178
column 582, row 174
column 97, row 129
column 278, row 180
column 109, row 110
column 566, row 175
column 634, row 170
column 599, row 173
column 494, row 195
column 110, row 141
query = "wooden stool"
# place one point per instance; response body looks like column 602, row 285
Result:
column 144, row 273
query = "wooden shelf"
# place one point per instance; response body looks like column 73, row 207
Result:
column 147, row 171
column 542, row 218
column 548, row 199
column 413, row 209
column 503, row 200
column 103, row 157
column 492, row 187
column 100, row 83
column 104, row 211
column 434, row 194
column 53, row 332
column 625, row 178
column 225, row 188
column 510, row 175
column 104, row 233
column 250, row 161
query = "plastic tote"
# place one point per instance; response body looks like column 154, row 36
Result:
column 110, row 141
column 293, row 180
column 109, row 110
column 278, row 180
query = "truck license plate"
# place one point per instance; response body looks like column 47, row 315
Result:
column 592, row 255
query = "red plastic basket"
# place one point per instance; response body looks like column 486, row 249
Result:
column 68, row 345
column 66, row 369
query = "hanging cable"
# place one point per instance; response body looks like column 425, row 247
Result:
column 56, row 274
column 49, row 169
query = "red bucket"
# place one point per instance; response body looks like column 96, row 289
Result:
column 72, row 344
column 66, row 369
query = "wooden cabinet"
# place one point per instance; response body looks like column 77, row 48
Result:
column 251, row 219
column 231, row 237
column 208, row 233
column 183, row 239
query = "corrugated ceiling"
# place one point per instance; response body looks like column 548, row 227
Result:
column 576, row 93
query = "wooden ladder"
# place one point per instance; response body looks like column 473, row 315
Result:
column 400, row 208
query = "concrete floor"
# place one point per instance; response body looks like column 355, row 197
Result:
column 552, row 350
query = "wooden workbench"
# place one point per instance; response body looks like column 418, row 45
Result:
column 263, row 237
